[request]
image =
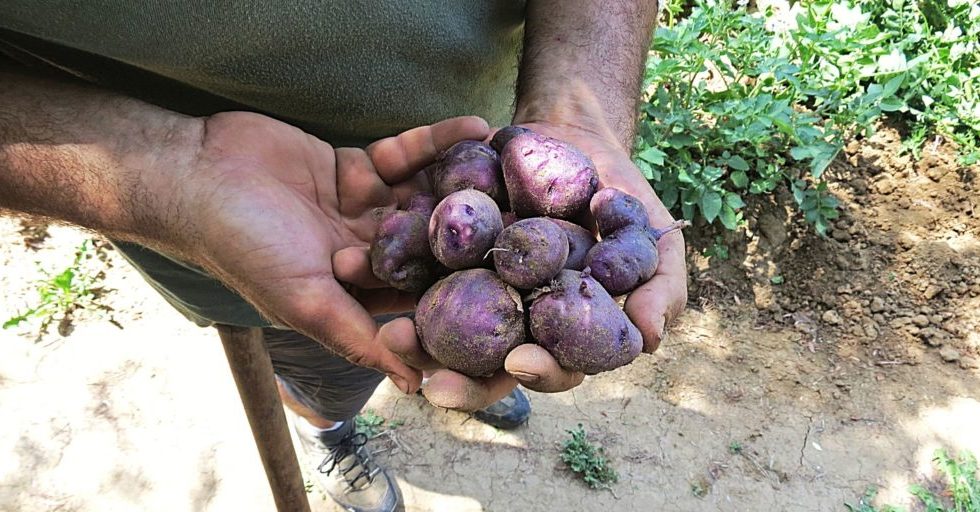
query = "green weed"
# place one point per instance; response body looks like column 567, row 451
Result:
column 373, row 424
column 962, row 493
column 735, row 447
column 589, row 461
column 61, row 295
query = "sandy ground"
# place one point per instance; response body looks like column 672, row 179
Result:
column 147, row 417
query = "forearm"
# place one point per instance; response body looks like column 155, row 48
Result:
column 81, row 155
column 583, row 64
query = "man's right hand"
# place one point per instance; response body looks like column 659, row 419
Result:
column 278, row 215
column 283, row 218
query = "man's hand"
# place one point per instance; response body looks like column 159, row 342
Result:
column 285, row 218
column 659, row 301
column 579, row 81
column 276, row 214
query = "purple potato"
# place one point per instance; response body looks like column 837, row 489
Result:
column 530, row 252
column 468, row 164
column 400, row 253
column 581, row 325
column 546, row 177
column 580, row 240
column 623, row 260
column 626, row 259
column 614, row 209
column 463, row 228
column 504, row 135
column 470, row 321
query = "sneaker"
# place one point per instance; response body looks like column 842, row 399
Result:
column 508, row 413
column 344, row 469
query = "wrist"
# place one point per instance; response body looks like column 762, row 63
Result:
column 157, row 200
column 575, row 109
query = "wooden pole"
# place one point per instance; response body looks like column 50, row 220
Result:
column 252, row 369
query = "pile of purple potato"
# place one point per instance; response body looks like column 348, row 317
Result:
column 502, row 259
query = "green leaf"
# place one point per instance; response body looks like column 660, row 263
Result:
column 802, row 152
column 891, row 86
column 777, row 280
column 740, row 179
column 648, row 171
column 652, row 155
column 734, row 200
column 891, row 104
column 681, row 140
column 710, row 205
column 738, row 163
column 729, row 218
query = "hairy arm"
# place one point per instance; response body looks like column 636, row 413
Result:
column 99, row 160
column 583, row 64
column 279, row 216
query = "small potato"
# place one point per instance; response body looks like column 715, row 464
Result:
column 468, row 164
column 580, row 240
column 530, row 252
column 546, row 177
column 582, row 326
column 400, row 253
column 504, row 135
column 614, row 209
column 463, row 228
column 626, row 259
column 470, row 321
column 623, row 260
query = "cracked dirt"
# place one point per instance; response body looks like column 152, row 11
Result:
column 758, row 400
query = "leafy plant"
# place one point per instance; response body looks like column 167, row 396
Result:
column 62, row 294
column 963, row 488
column 373, row 424
column 739, row 102
column 587, row 460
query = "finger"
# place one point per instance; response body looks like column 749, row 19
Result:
column 352, row 265
column 654, row 305
column 358, row 185
column 404, row 342
column 384, row 300
column 322, row 309
column 406, row 189
column 536, row 369
column 453, row 390
column 400, row 157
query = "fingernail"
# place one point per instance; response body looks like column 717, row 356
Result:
column 529, row 378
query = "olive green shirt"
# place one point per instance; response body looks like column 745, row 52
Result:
column 349, row 72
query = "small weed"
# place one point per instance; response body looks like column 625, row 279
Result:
column 777, row 280
column 864, row 504
column 63, row 294
column 588, row 460
column 962, row 487
column 718, row 249
column 700, row 488
column 734, row 447
column 373, row 424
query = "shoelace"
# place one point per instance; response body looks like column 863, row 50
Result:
column 352, row 444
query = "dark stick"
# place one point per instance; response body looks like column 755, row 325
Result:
column 252, row 370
